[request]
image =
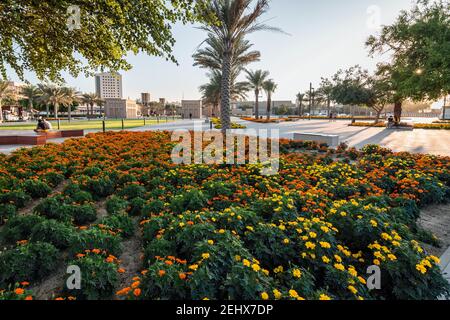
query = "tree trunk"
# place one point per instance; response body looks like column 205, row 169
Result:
column 225, row 93
column 377, row 117
column 55, row 108
column 301, row 109
column 256, row 103
column 398, row 111
column 69, row 113
column 1, row 111
column 269, row 106
column 329, row 106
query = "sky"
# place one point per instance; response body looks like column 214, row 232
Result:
column 323, row 36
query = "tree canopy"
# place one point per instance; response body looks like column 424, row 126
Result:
column 419, row 43
column 45, row 37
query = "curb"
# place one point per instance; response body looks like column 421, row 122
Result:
column 445, row 266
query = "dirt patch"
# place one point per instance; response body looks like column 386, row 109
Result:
column 51, row 286
column 436, row 219
column 131, row 259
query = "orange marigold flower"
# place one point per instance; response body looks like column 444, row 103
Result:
column 182, row 275
column 137, row 292
column 161, row 273
column 28, row 298
column 24, row 283
column 123, row 292
column 19, row 291
column 121, row 270
column 135, row 284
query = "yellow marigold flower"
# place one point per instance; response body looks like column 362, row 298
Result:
column 353, row 272
column 324, row 297
column 362, row 280
column 325, row 259
column 237, row 258
column 374, row 223
column 205, row 256
column 337, row 258
column 221, row 231
column 343, row 214
column 392, row 257
column 249, row 228
column 325, row 245
column 310, row 245
column 278, row 270
column 396, row 243
column 352, row 289
column 376, row 262
column 435, row 259
column 421, row 269
column 255, row 267
column 277, row 294
column 246, row 263
column 325, row 229
column 293, row 293
column 282, row 227
column 264, row 296
column 339, row 266
column 286, row 241
column 296, row 273
column 313, row 235
column 210, row 242
column 265, row 271
column 194, row 267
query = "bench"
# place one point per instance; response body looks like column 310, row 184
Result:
column 37, row 139
column 330, row 140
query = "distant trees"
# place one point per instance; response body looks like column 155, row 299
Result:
column 300, row 98
column 256, row 81
column 5, row 92
column 269, row 87
column 91, row 100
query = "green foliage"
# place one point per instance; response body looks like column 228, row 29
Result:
column 99, row 278
column 116, row 205
column 51, row 231
column 36, row 189
column 30, row 262
column 17, row 197
column 117, row 27
column 20, row 227
column 6, row 211
column 122, row 223
column 96, row 239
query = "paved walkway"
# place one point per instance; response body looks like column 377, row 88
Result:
column 435, row 142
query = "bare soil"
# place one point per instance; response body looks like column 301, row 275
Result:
column 436, row 219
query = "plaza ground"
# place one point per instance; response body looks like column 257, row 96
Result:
column 435, row 142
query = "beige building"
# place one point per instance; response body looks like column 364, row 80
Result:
column 192, row 109
column 121, row 109
column 108, row 85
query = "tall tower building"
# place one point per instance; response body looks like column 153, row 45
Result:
column 108, row 85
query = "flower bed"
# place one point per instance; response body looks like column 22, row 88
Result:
column 218, row 125
column 438, row 126
column 222, row 232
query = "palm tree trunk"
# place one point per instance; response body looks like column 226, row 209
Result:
column 1, row 111
column 69, row 112
column 256, row 103
column 225, row 93
column 55, row 108
column 269, row 106
column 329, row 106
column 47, row 109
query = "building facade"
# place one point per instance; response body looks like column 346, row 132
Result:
column 192, row 109
column 121, row 109
column 108, row 85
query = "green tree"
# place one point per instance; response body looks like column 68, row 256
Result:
column 72, row 97
column 91, row 100
column 5, row 92
column 269, row 87
column 31, row 95
column 323, row 94
column 236, row 20
column 419, row 43
column 39, row 36
column 54, row 96
column 300, row 98
column 256, row 81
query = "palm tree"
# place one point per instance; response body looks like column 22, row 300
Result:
column 256, row 81
column 91, row 99
column 53, row 95
column 236, row 20
column 211, row 56
column 72, row 96
column 300, row 99
column 323, row 94
column 211, row 90
column 5, row 92
column 31, row 94
column 269, row 87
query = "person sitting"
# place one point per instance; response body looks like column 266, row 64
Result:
column 43, row 125
column 390, row 122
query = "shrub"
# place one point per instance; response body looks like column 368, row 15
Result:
column 53, row 208
column 36, row 189
column 191, row 200
column 99, row 277
column 6, row 211
column 17, row 197
column 30, row 262
column 133, row 191
column 122, row 223
column 116, row 205
column 81, row 214
column 51, row 231
column 96, row 239
column 20, row 227
column 53, row 179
